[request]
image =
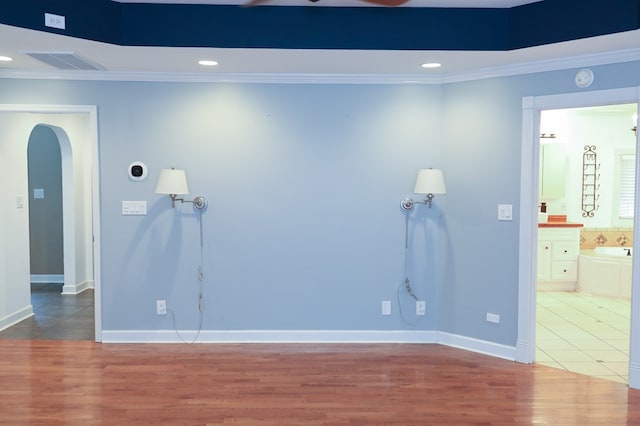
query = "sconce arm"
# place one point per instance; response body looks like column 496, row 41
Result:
column 199, row 202
column 407, row 204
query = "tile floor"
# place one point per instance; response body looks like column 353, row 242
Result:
column 57, row 317
column 583, row 334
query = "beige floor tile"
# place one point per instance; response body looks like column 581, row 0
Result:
column 607, row 356
column 574, row 330
column 542, row 356
column 587, row 368
column 571, row 335
column 583, row 345
column 563, row 356
column 620, row 344
column 550, row 344
column 619, row 368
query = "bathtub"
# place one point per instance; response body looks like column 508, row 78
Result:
column 605, row 271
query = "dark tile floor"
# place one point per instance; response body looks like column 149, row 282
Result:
column 57, row 317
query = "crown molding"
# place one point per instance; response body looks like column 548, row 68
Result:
column 613, row 57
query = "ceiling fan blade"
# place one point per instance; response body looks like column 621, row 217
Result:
column 378, row 2
column 387, row 2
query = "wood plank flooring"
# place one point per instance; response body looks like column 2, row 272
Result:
column 86, row 383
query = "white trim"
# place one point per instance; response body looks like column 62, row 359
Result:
column 269, row 336
column 310, row 336
column 578, row 61
column 47, row 278
column 77, row 288
column 16, row 317
column 68, row 207
column 634, row 374
column 475, row 345
column 529, row 163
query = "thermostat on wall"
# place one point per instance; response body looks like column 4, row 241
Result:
column 137, row 170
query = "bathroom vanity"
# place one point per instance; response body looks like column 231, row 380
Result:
column 558, row 251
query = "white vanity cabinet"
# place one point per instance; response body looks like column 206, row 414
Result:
column 558, row 251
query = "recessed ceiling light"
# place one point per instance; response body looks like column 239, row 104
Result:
column 208, row 63
column 431, row 65
column 5, row 59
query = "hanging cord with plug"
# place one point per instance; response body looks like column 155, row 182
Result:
column 406, row 283
column 201, row 304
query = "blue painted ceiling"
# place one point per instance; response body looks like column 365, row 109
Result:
column 293, row 27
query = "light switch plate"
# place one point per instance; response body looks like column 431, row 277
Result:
column 134, row 208
column 505, row 212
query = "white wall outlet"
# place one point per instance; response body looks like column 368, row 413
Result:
column 494, row 318
column 505, row 212
column 386, row 307
column 54, row 21
column 161, row 307
column 421, row 307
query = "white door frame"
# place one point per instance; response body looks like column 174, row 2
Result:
column 529, row 166
column 92, row 112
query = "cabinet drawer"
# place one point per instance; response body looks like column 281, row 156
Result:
column 564, row 271
column 565, row 250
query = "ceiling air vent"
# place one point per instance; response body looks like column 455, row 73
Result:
column 65, row 61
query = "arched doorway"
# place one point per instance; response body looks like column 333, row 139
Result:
column 76, row 130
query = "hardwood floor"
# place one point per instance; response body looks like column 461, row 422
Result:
column 87, row 383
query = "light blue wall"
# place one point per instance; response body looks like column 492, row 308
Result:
column 304, row 229
column 45, row 214
column 481, row 155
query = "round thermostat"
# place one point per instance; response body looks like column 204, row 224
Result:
column 584, row 78
column 137, row 170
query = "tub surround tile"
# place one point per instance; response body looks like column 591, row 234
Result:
column 605, row 237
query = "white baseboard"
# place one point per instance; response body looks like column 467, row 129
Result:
column 475, row 345
column 77, row 288
column 268, row 336
column 16, row 317
column 523, row 352
column 310, row 336
column 634, row 376
column 47, row 279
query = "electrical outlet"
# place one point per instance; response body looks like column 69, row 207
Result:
column 161, row 307
column 505, row 212
column 421, row 307
column 54, row 21
column 386, row 307
column 494, row 318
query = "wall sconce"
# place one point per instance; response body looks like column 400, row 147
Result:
column 428, row 183
column 173, row 183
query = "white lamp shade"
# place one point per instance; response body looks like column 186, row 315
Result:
column 430, row 181
column 172, row 181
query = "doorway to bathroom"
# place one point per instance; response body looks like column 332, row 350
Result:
column 585, row 236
